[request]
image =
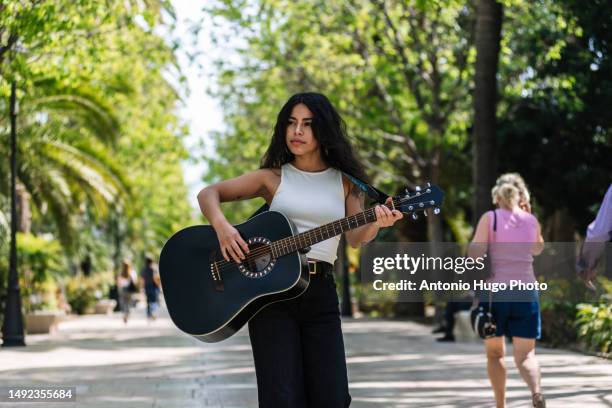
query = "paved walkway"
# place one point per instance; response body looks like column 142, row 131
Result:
column 391, row 364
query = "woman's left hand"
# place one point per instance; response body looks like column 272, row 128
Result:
column 588, row 275
column 386, row 217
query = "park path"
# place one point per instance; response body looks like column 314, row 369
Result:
column 391, row 364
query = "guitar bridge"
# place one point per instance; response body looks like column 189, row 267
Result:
column 216, row 274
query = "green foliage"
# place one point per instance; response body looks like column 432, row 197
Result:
column 40, row 262
column 41, row 257
column 80, row 294
column 99, row 142
column 4, row 261
column 375, row 303
column 83, row 292
column 57, row 38
column 562, row 325
column 558, row 329
column 399, row 73
column 594, row 324
column 555, row 73
column 43, row 296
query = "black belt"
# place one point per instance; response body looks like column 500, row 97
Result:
column 319, row 267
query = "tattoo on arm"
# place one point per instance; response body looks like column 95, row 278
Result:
column 356, row 191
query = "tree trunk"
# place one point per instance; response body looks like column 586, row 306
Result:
column 559, row 227
column 489, row 15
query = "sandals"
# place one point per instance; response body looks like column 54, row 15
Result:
column 538, row 401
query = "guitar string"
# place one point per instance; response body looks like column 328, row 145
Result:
column 280, row 246
column 308, row 234
column 223, row 264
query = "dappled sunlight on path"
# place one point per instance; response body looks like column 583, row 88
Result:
column 391, row 364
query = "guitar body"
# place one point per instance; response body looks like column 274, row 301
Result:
column 211, row 299
column 212, row 309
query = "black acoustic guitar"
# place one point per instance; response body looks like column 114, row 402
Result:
column 211, row 299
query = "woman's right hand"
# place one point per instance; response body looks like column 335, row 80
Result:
column 231, row 243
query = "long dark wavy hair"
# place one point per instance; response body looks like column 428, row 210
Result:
column 328, row 128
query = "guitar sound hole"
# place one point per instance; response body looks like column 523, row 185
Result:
column 259, row 261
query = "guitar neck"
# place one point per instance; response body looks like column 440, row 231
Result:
column 308, row 238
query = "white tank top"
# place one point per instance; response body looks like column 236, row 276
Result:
column 310, row 200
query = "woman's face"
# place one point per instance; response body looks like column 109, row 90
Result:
column 299, row 137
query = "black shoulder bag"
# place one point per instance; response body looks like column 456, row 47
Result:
column 483, row 323
column 132, row 288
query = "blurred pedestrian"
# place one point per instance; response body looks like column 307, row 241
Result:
column 516, row 318
column 452, row 307
column 126, row 285
column 598, row 233
column 62, row 303
column 151, row 282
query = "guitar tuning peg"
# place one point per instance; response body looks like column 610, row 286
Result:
column 417, row 189
column 425, row 213
column 436, row 211
column 415, row 216
column 407, row 192
column 428, row 184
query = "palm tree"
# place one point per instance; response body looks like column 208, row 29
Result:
column 64, row 140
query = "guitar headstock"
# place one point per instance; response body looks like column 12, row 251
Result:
column 420, row 200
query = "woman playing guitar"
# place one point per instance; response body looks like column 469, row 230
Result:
column 297, row 344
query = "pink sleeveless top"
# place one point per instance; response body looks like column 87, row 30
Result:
column 511, row 245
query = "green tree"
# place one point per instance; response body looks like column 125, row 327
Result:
column 554, row 125
column 100, row 142
column 62, row 156
column 398, row 71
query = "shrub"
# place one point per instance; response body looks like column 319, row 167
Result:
column 83, row 292
column 558, row 329
column 375, row 303
column 594, row 323
column 40, row 263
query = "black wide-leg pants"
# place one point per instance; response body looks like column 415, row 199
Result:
column 299, row 351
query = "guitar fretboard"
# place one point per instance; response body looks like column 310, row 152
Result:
column 305, row 239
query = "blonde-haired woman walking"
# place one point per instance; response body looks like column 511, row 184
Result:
column 517, row 237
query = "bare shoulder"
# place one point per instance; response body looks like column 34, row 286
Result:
column 275, row 172
column 257, row 183
column 482, row 229
column 269, row 175
column 484, row 218
column 271, row 179
column 263, row 175
column 484, row 222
